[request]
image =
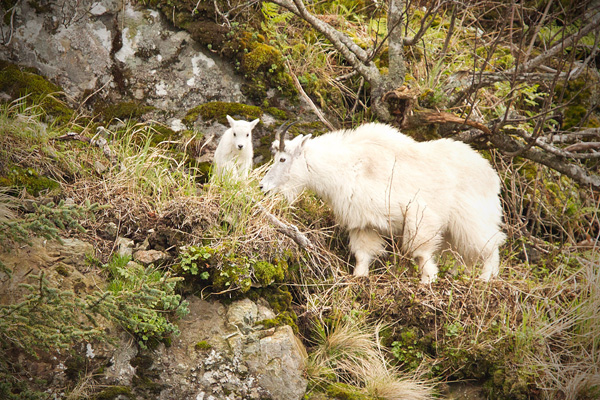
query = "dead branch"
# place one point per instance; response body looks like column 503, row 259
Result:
column 573, row 136
column 308, row 100
column 100, row 142
column 585, row 147
column 420, row 118
column 510, row 146
column 522, row 73
column 289, row 230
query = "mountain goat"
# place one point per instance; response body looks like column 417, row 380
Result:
column 234, row 152
column 436, row 195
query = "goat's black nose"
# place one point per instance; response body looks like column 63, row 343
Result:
column 240, row 146
column 260, row 187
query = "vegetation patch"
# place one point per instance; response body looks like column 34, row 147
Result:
column 28, row 84
column 124, row 111
column 28, row 179
column 219, row 110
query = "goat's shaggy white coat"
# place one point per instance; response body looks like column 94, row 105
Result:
column 437, row 195
column 234, row 153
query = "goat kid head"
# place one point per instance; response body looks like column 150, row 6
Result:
column 286, row 173
column 241, row 132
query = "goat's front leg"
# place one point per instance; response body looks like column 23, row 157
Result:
column 366, row 244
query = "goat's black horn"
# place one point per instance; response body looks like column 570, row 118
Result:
column 281, row 133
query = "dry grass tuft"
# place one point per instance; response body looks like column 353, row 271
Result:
column 350, row 351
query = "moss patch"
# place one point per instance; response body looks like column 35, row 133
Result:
column 19, row 82
column 260, row 63
column 203, row 345
column 267, row 273
column 28, row 179
column 124, row 111
column 342, row 391
column 114, row 392
column 218, row 111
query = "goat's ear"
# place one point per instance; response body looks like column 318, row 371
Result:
column 231, row 121
column 305, row 139
column 274, row 146
column 254, row 123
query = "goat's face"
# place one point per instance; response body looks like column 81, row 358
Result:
column 241, row 132
column 283, row 175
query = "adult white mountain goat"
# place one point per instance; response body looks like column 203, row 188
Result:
column 234, row 153
column 437, row 195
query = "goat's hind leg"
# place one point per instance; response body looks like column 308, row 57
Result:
column 366, row 244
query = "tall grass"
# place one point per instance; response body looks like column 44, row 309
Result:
column 565, row 322
column 349, row 351
column 149, row 171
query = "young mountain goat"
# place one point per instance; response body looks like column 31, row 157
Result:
column 436, row 195
column 234, row 152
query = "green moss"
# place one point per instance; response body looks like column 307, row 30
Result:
column 62, row 270
column 267, row 273
column 124, row 111
column 234, row 274
column 277, row 113
column 261, row 64
column 203, row 345
column 502, row 57
column 28, row 179
column 342, row 391
column 113, row 392
column 218, row 111
column 19, row 82
column 506, row 384
column 577, row 95
column 280, row 300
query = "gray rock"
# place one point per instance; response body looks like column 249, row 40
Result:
column 257, row 364
column 120, row 371
column 71, row 251
column 147, row 257
column 124, row 246
column 111, row 229
column 124, row 52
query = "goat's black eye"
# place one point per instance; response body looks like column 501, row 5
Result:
column 282, row 159
column 234, row 134
column 247, row 134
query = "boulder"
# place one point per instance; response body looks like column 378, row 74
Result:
column 121, row 53
column 222, row 353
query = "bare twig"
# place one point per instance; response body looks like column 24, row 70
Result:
column 289, row 230
column 308, row 100
column 11, row 28
column 100, row 142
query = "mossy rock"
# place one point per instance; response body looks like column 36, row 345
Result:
column 280, row 300
column 267, row 273
column 342, row 391
column 28, row 179
column 20, row 82
column 198, row 19
column 113, row 392
column 124, row 111
column 261, row 64
column 203, row 345
column 218, row 111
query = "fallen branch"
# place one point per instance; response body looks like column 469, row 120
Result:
column 289, row 230
column 584, row 147
column 420, row 118
column 101, row 142
column 308, row 100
